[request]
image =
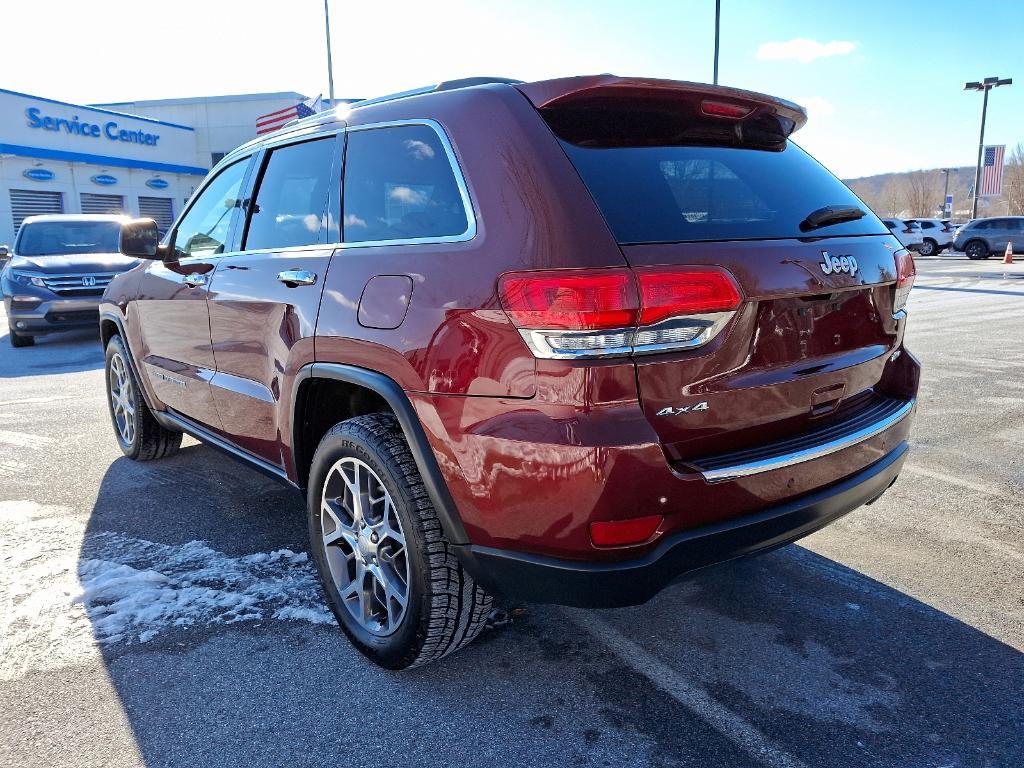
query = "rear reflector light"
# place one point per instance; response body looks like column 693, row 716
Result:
column 725, row 109
column 619, row 533
column 568, row 314
column 905, row 272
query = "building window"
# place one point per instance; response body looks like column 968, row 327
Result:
column 216, row 157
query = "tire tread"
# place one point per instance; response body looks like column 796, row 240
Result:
column 457, row 608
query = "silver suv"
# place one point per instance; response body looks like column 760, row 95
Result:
column 981, row 238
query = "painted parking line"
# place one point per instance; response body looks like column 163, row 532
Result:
column 726, row 722
column 960, row 482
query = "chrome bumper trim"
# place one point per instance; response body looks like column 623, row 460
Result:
column 736, row 471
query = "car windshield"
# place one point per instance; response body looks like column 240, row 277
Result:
column 59, row 238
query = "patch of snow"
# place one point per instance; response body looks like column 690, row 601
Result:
column 64, row 594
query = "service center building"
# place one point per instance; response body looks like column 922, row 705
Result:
column 57, row 157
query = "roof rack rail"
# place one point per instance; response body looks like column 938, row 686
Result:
column 447, row 85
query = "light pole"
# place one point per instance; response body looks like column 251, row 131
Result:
column 945, row 192
column 330, row 66
column 718, row 21
column 985, row 86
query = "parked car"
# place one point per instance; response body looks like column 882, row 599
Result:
column 980, row 238
column 627, row 331
column 937, row 236
column 57, row 271
column 907, row 232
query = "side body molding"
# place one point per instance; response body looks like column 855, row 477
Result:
column 422, row 453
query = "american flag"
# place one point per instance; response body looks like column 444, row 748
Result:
column 992, row 171
column 275, row 120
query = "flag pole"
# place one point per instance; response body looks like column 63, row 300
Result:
column 330, row 66
column 718, row 18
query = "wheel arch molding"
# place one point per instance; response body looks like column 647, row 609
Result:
column 107, row 319
column 415, row 436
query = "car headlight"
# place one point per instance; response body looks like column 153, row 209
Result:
column 22, row 278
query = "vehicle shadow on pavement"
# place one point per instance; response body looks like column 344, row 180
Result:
column 66, row 352
column 222, row 653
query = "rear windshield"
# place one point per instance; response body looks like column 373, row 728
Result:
column 692, row 193
column 59, row 238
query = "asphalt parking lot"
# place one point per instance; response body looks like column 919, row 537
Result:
column 164, row 614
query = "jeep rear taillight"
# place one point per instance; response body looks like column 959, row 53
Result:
column 905, row 272
column 568, row 314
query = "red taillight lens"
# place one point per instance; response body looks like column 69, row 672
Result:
column 619, row 533
column 905, row 272
column 666, row 293
column 570, row 299
column 574, row 313
column 725, row 109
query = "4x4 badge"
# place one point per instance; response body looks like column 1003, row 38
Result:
column 832, row 264
column 670, row 411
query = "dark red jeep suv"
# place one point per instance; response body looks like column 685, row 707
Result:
column 560, row 341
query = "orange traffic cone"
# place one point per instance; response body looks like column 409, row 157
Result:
column 1008, row 256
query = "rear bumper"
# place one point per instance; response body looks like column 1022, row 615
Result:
column 535, row 578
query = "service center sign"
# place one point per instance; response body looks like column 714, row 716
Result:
column 27, row 121
column 76, row 127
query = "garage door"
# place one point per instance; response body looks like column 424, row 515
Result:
column 102, row 203
column 32, row 202
column 160, row 209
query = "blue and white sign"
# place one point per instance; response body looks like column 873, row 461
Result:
column 103, row 179
column 37, row 174
column 75, row 127
column 157, row 183
column 46, row 129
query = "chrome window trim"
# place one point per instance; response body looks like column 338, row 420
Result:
column 314, row 132
column 737, row 471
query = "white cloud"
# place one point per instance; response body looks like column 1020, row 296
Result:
column 804, row 50
column 407, row 195
column 816, row 106
column 419, row 150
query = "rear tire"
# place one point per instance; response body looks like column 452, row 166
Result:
column 929, row 247
column 389, row 544
column 976, row 249
column 20, row 340
column 139, row 434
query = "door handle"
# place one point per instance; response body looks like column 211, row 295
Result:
column 195, row 279
column 294, row 277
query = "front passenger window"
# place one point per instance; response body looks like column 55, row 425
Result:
column 203, row 231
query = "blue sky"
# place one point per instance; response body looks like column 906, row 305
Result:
column 882, row 80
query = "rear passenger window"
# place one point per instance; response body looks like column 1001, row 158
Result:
column 290, row 203
column 399, row 185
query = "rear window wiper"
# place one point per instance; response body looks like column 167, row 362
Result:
column 831, row 214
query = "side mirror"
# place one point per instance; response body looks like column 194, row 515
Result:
column 5, row 253
column 140, row 238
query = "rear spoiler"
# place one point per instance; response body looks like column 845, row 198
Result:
column 706, row 102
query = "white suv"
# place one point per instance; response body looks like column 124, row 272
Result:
column 907, row 232
column 937, row 236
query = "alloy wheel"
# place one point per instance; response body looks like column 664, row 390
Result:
column 122, row 401
column 364, row 546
